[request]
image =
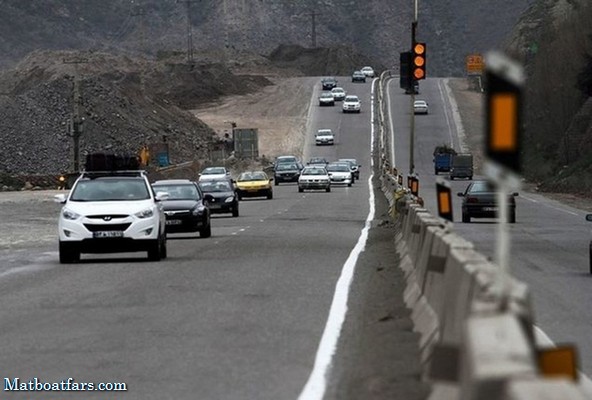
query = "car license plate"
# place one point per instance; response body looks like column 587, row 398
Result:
column 108, row 234
column 489, row 209
column 173, row 222
column 215, row 206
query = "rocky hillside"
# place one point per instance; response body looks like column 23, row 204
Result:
column 380, row 29
column 554, row 41
column 126, row 103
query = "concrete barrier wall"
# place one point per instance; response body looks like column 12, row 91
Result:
column 476, row 329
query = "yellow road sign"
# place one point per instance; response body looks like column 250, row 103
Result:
column 475, row 64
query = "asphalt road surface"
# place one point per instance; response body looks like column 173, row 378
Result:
column 236, row 316
column 549, row 241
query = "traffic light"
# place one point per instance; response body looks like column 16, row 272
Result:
column 405, row 80
column 419, row 61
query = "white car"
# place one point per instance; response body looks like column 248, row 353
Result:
column 420, row 107
column 351, row 103
column 314, row 178
column 338, row 93
column 212, row 173
column 324, row 136
column 340, row 174
column 326, row 99
column 368, row 71
column 111, row 212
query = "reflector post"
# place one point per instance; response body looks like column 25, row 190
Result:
column 444, row 197
column 400, row 180
column 415, row 186
column 503, row 85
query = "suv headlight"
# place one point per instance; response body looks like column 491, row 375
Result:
column 147, row 213
column 197, row 210
column 229, row 199
column 70, row 215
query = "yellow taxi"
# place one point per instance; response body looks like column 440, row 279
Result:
column 254, row 184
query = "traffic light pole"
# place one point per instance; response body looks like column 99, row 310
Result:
column 412, row 124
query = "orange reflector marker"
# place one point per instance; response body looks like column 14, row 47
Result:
column 560, row 362
column 444, row 196
column 415, row 186
column 444, row 202
column 504, row 122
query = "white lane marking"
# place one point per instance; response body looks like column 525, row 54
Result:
column 542, row 339
column 549, row 205
column 444, row 104
column 460, row 130
column 317, row 381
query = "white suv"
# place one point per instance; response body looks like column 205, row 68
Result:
column 111, row 212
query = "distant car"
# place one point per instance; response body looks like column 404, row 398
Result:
column 358, row 76
column 413, row 89
column 221, row 196
column 324, row 136
column 480, row 201
column 286, row 172
column 314, row 178
column 254, row 184
column 420, row 107
column 354, row 166
column 287, row 159
column 318, row 161
column 214, row 173
column 340, row 174
column 328, row 83
column 368, row 71
column 326, row 99
column 338, row 93
column 185, row 209
column 351, row 104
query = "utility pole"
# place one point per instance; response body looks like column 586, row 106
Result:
column 75, row 127
column 313, row 34
column 189, row 30
column 140, row 12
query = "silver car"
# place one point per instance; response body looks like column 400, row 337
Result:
column 314, row 178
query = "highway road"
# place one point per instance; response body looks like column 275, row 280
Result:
column 239, row 315
column 549, row 242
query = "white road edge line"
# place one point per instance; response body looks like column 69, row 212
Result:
column 315, row 387
column 542, row 339
column 460, row 129
column 450, row 130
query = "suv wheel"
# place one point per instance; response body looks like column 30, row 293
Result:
column 269, row 195
column 163, row 248
column 590, row 257
column 235, row 211
column 512, row 217
column 328, row 189
column 69, row 253
column 300, row 189
column 155, row 249
column 276, row 182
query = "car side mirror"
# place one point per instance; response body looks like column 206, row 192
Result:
column 161, row 196
column 460, row 194
column 60, row 198
column 515, row 194
column 208, row 198
column 270, row 179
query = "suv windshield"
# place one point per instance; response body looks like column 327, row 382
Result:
column 110, row 189
column 215, row 186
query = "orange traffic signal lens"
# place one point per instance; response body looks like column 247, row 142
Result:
column 419, row 48
column 418, row 73
column 419, row 61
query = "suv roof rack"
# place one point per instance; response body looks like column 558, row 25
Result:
column 102, row 162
